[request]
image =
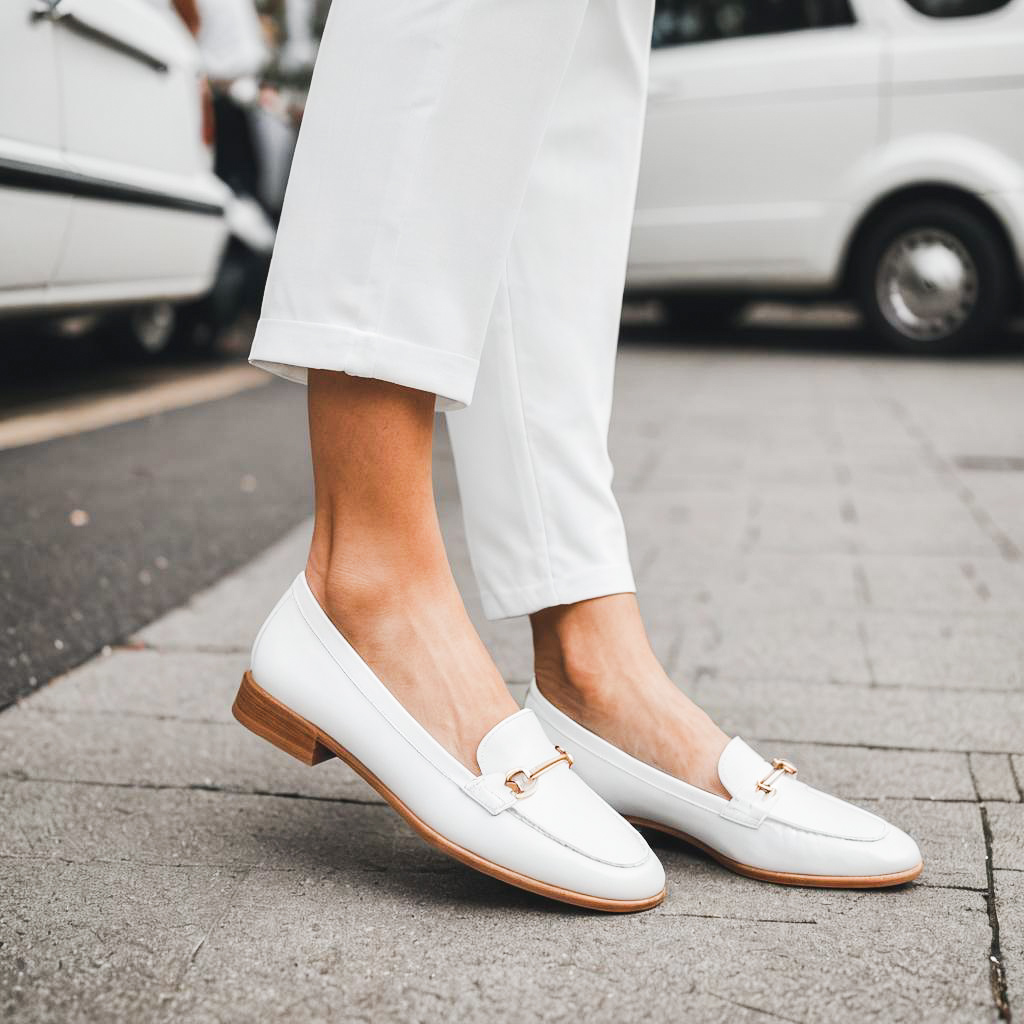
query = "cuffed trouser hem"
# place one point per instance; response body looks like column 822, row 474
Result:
column 509, row 603
column 289, row 348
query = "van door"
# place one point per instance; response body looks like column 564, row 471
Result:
column 33, row 211
column 757, row 111
column 130, row 98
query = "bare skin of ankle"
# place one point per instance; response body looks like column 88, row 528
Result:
column 377, row 562
column 594, row 662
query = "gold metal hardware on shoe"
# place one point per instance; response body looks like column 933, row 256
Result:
column 529, row 779
column 779, row 768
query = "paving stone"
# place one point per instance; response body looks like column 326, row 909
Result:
column 100, row 942
column 993, row 777
column 959, row 651
column 815, row 646
column 869, row 716
column 929, row 524
column 670, row 577
column 191, row 685
column 160, row 752
column 693, row 521
column 442, row 951
column 1007, row 824
column 84, row 824
column 924, row 583
column 228, row 614
column 1009, row 886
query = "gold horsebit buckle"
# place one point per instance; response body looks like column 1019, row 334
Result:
column 779, row 768
column 522, row 782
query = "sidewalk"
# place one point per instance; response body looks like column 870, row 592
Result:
column 829, row 549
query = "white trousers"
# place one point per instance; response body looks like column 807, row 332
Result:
column 457, row 221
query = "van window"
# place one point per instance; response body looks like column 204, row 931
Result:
column 956, row 8
column 699, row 21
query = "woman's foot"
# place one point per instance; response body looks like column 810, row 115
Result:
column 594, row 662
column 415, row 634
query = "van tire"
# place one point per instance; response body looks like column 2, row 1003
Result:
column 972, row 312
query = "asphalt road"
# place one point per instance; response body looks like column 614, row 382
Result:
column 103, row 531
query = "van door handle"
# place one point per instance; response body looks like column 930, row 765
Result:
column 51, row 10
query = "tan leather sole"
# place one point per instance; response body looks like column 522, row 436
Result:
column 784, row 877
column 262, row 714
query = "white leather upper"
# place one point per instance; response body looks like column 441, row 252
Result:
column 562, row 834
column 795, row 829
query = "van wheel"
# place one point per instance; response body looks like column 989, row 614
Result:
column 145, row 332
column 933, row 278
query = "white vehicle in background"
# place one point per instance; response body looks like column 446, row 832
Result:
column 107, row 197
column 871, row 149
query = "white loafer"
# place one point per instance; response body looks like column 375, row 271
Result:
column 774, row 828
column 528, row 819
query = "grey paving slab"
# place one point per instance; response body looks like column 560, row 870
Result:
column 227, row 615
column 752, row 580
column 1007, row 824
column 993, row 777
column 757, row 643
column 1009, row 886
column 161, row 752
column 869, row 716
column 400, row 954
column 100, row 942
column 942, row 584
column 969, row 651
column 193, row 685
column 910, row 523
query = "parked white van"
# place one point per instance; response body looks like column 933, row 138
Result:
column 864, row 148
column 107, row 195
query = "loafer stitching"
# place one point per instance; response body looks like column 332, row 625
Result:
column 583, row 853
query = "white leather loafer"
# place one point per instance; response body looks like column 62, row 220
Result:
column 774, row 828
column 528, row 819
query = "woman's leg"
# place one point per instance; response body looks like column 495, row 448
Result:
column 422, row 127
column 545, row 533
column 423, row 122
column 377, row 563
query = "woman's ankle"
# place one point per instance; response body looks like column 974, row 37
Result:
column 373, row 587
column 584, row 653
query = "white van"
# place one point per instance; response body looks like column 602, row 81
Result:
column 864, row 148
column 107, row 196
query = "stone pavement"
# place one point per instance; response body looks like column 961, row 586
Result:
column 829, row 550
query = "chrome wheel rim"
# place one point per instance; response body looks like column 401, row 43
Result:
column 153, row 326
column 926, row 284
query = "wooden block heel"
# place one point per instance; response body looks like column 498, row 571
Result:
column 271, row 720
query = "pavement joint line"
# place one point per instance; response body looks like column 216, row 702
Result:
column 28, row 709
column 877, row 746
column 751, row 1008
column 973, row 778
column 946, row 472
column 997, row 970
column 706, row 671
column 18, row 777
column 1016, row 778
column 114, row 407
column 188, row 788
column 736, row 917
column 957, row 888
